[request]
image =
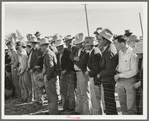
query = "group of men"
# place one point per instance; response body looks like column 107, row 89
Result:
column 77, row 70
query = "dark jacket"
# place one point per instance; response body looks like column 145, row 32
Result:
column 82, row 63
column 35, row 55
column 108, row 64
column 93, row 62
column 66, row 62
column 50, row 64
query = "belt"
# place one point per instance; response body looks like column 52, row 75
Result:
column 78, row 70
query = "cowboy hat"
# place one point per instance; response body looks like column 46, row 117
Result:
column 44, row 41
column 106, row 33
column 138, row 48
column 90, row 41
column 128, row 32
column 33, row 40
column 68, row 37
column 133, row 38
column 98, row 30
column 59, row 42
column 78, row 38
column 37, row 33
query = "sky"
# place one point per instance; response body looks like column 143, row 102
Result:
column 69, row 18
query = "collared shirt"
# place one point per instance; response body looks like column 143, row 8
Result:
column 128, row 63
column 104, row 48
column 14, row 57
column 29, row 59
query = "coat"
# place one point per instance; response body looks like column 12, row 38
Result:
column 108, row 64
column 66, row 62
column 50, row 64
column 82, row 63
column 34, row 58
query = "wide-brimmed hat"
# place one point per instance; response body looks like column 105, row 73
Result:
column 59, row 42
column 68, row 37
column 128, row 32
column 37, row 33
column 106, row 33
column 90, row 41
column 133, row 38
column 78, row 38
column 33, row 40
column 138, row 47
column 44, row 41
column 98, row 30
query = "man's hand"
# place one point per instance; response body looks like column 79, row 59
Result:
column 137, row 85
column 63, row 72
column 76, row 58
column 98, row 76
column 31, row 71
column 86, row 73
column 116, row 77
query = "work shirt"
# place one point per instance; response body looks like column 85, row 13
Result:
column 75, row 66
column 128, row 64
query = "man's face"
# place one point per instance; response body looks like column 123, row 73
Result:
column 9, row 46
column 89, row 47
column 131, row 43
column 80, row 45
column 42, row 48
column 19, row 52
column 101, row 41
column 60, row 49
column 68, row 42
column 33, row 45
column 118, row 45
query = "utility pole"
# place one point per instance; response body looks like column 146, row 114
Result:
column 87, row 20
column 141, row 23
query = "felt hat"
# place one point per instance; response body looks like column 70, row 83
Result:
column 133, row 38
column 44, row 41
column 59, row 42
column 78, row 38
column 106, row 33
column 33, row 40
column 37, row 33
column 90, row 41
column 138, row 48
column 128, row 32
column 98, row 30
column 68, row 37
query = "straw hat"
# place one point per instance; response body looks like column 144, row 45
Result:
column 98, row 30
column 138, row 48
column 59, row 42
column 106, row 33
column 78, row 38
column 90, row 41
column 33, row 40
column 133, row 38
column 44, row 41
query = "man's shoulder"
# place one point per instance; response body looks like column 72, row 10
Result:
column 112, row 49
column 96, row 50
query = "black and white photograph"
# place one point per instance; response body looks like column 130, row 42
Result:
column 74, row 60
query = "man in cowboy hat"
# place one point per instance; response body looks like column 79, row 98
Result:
column 35, row 53
column 50, row 74
column 108, row 65
column 127, row 68
column 128, row 33
column 68, row 40
column 79, row 57
column 14, row 66
column 67, row 76
column 139, row 77
column 132, row 40
column 93, row 69
column 37, row 35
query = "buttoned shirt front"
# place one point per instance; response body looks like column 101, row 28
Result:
column 128, row 64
